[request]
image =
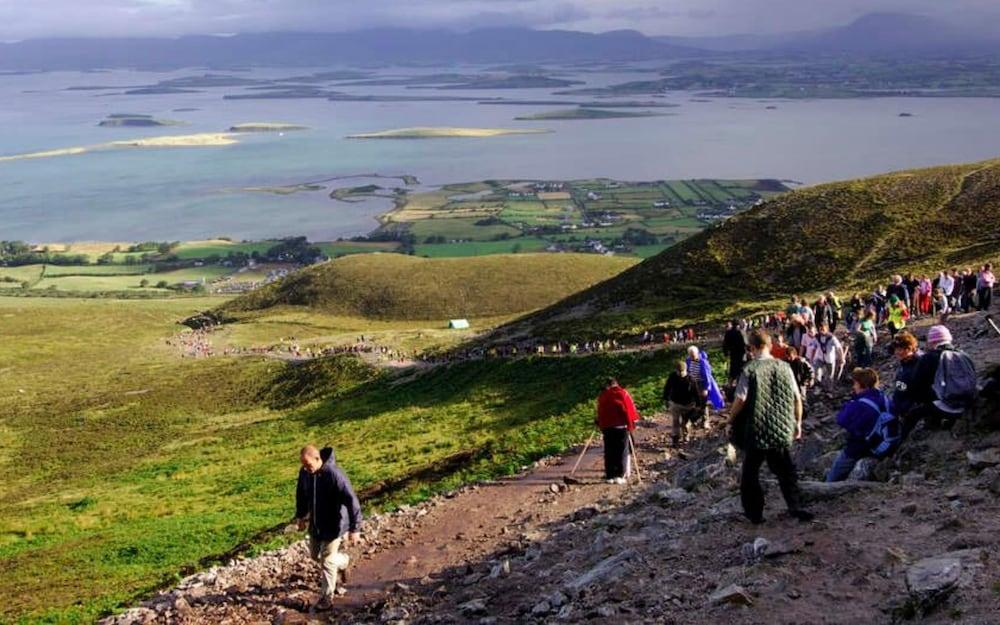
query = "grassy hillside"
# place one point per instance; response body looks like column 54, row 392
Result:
column 125, row 464
column 393, row 286
column 843, row 235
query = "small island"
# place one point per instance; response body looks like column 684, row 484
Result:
column 446, row 133
column 582, row 112
column 265, row 127
column 129, row 120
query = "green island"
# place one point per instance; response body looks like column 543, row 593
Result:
column 582, row 112
column 173, row 448
column 127, row 120
column 265, row 127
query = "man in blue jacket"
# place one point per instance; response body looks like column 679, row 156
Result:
column 325, row 503
column 858, row 418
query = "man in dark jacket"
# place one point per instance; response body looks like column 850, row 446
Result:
column 767, row 417
column 325, row 503
column 681, row 396
column 904, row 394
column 936, row 412
column 734, row 346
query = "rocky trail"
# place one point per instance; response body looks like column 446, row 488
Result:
column 916, row 540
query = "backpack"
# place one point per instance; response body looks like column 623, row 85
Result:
column 887, row 432
column 955, row 382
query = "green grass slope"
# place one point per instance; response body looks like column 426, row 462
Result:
column 393, row 286
column 841, row 235
column 125, row 465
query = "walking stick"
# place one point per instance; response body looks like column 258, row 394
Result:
column 635, row 457
column 583, row 453
column 992, row 323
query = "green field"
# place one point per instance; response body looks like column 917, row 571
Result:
column 95, row 270
column 138, row 463
column 459, row 229
column 102, row 282
column 481, row 248
column 201, row 249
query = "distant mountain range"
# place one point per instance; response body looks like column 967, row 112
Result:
column 882, row 34
column 876, row 34
column 369, row 47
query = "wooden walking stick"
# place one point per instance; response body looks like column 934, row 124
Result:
column 583, row 453
column 635, row 457
column 993, row 324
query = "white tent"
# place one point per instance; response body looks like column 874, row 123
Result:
column 458, row 324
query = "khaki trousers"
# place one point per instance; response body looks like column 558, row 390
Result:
column 331, row 560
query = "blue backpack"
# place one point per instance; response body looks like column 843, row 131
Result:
column 887, row 433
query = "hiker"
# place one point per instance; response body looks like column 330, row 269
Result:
column 734, row 346
column 945, row 382
column 803, row 372
column 683, row 400
column 865, row 339
column 984, row 287
column 898, row 313
column 828, row 358
column 835, row 304
column 824, row 312
column 700, row 371
column 808, row 344
column 856, row 310
column 325, row 503
column 946, row 282
column 941, row 305
column 904, row 394
column 766, row 418
column 897, row 288
column 872, row 430
column 616, row 417
column 778, row 347
column 795, row 331
column 969, row 283
column 924, row 292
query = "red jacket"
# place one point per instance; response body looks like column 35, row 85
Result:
column 615, row 408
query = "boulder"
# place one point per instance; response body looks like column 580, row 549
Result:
column 823, row 491
column 475, row 607
column 605, row 571
column 731, row 594
column 673, row 496
column 930, row 581
column 979, row 460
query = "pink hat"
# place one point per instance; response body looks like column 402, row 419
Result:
column 938, row 335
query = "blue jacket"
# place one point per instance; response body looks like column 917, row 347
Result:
column 714, row 394
column 858, row 418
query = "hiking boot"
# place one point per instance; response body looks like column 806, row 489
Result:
column 324, row 604
column 803, row 516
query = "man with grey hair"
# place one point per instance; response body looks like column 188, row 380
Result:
column 325, row 503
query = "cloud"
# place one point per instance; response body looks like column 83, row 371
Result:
column 36, row 18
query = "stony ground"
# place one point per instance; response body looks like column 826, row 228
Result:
column 916, row 541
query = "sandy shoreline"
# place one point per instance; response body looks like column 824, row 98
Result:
column 204, row 139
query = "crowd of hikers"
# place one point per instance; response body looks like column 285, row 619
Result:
column 775, row 363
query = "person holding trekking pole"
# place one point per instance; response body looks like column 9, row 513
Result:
column 616, row 418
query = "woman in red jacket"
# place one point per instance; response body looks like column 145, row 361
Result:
column 616, row 417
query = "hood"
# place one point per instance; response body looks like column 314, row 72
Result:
column 326, row 455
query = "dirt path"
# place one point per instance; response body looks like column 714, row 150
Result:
column 485, row 518
column 412, row 546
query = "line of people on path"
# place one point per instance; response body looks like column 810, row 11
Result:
column 936, row 388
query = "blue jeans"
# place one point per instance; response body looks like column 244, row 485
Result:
column 842, row 467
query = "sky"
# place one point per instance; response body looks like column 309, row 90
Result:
column 23, row 19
